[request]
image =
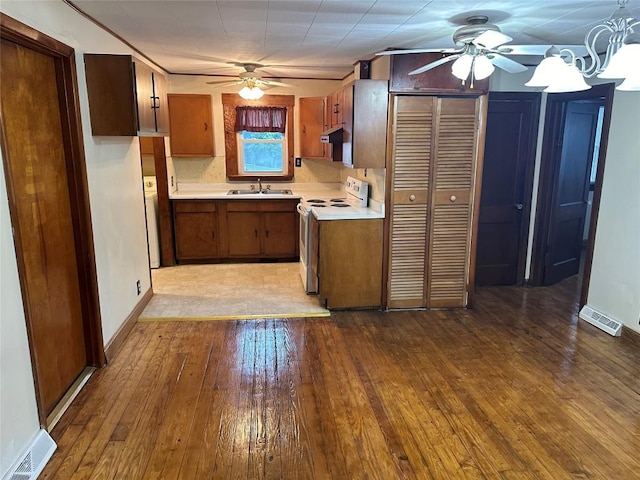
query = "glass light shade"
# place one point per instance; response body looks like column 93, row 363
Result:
column 251, row 93
column 624, row 63
column 570, row 80
column 631, row 83
column 461, row 68
column 548, row 71
column 482, row 67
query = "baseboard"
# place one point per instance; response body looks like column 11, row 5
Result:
column 630, row 331
column 113, row 347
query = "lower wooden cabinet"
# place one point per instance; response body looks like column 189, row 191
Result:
column 196, row 230
column 347, row 257
column 235, row 229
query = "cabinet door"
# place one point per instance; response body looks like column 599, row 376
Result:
column 196, row 235
column 191, row 125
column 411, row 139
column 243, row 231
column 279, row 229
column 161, row 104
column 311, row 127
column 455, row 179
column 144, row 98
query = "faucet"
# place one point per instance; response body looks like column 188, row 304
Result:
column 259, row 186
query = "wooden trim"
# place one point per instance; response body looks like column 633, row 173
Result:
column 482, row 106
column 232, row 100
column 167, row 251
column 64, row 59
column 115, row 344
column 386, row 223
column 553, row 130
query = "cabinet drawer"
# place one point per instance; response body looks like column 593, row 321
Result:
column 188, row 206
column 261, row 206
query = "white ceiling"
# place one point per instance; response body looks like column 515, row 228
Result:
column 324, row 38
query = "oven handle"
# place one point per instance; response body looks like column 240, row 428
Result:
column 302, row 211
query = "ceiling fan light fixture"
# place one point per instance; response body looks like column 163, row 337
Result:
column 461, row 68
column 251, row 93
column 482, row 67
column 630, row 84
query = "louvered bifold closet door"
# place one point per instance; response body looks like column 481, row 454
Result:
column 454, row 171
column 411, row 163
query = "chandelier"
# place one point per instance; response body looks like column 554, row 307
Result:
column 251, row 91
column 564, row 71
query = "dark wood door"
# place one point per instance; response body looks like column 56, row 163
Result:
column 506, row 187
column 311, row 127
column 569, row 205
column 243, row 230
column 37, row 167
column 280, row 234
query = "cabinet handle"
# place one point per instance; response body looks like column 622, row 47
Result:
column 213, row 234
column 266, row 233
column 304, row 129
column 206, row 126
column 518, row 206
column 412, row 197
column 453, row 198
column 256, row 233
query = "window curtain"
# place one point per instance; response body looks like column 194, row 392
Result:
column 261, row 119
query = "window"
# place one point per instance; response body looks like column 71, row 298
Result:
column 262, row 153
column 241, row 137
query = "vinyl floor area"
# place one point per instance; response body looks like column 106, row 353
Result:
column 238, row 290
column 517, row 388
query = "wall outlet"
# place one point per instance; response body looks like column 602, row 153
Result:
column 298, row 162
column 172, row 180
column 138, row 287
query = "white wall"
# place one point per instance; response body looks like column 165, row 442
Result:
column 117, row 209
column 614, row 287
column 18, row 411
column 615, row 276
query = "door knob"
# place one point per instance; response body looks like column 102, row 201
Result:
column 518, row 206
column 412, row 197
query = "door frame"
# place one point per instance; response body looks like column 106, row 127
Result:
column 551, row 151
column 67, row 83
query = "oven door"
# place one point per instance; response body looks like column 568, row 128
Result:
column 305, row 231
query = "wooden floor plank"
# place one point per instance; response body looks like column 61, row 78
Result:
column 517, row 388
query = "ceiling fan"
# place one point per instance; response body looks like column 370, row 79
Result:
column 482, row 48
column 250, row 78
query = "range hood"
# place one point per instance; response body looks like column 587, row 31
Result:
column 333, row 135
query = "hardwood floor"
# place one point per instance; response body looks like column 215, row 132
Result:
column 516, row 388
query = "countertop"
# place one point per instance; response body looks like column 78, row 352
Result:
column 218, row 191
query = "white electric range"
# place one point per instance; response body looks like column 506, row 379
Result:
column 351, row 202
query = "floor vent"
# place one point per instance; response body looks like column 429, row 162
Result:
column 612, row 327
column 35, row 459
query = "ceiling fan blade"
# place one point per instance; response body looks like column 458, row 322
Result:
column 491, row 39
column 435, row 64
column 506, row 64
column 225, row 83
column 522, row 49
column 276, row 84
column 419, row 50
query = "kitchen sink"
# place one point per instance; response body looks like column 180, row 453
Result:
column 256, row 192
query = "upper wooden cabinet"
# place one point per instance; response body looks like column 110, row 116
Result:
column 191, row 129
column 439, row 80
column 364, row 120
column 126, row 97
column 312, row 124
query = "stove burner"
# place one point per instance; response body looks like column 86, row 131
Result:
column 316, row 200
column 341, row 205
column 317, row 205
column 337, row 200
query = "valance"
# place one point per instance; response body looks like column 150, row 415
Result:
column 261, row 119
